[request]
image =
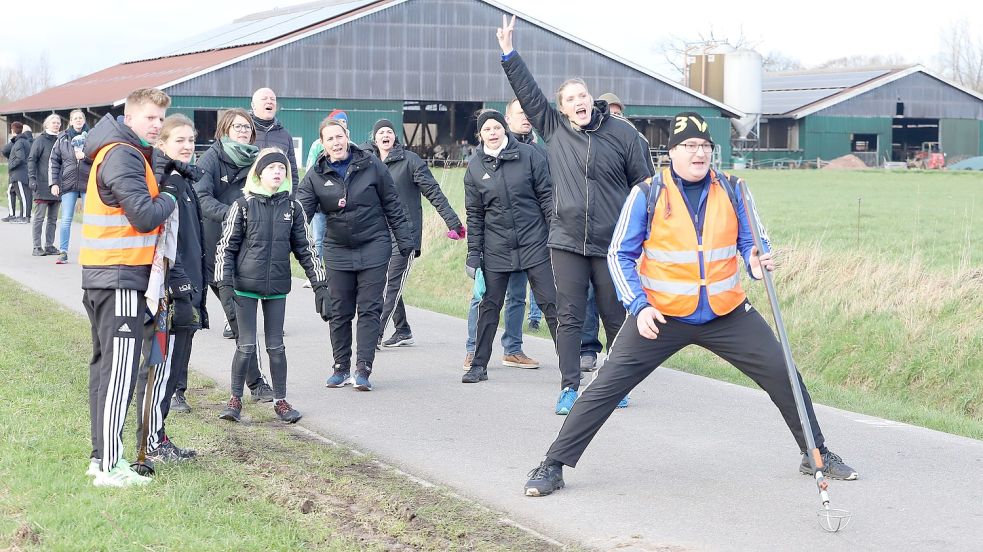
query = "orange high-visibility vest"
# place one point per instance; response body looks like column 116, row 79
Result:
column 670, row 269
column 108, row 238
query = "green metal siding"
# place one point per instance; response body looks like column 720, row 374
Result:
column 829, row 137
column 959, row 137
column 302, row 116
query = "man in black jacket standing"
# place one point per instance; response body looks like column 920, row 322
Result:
column 413, row 179
column 594, row 161
column 269, row 132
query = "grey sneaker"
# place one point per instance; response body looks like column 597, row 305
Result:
column 834, row 467
column 399, row 340
column 588, row 363
column 262, row 392
column 475, row 374
column 545, row 479
column 169, row 452
column 179, row 403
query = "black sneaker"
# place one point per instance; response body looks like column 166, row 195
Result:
column 833, row 467
column 286, row 412
column 51, row 250
column 399, row 340
column 261, row 392
column 232, row 410
column 475, row 374
column 545, row 479
column 227, row 332
column 179, row 403
column 38, row 252
column 169, row 452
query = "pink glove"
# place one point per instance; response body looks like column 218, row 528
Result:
column 458, row 234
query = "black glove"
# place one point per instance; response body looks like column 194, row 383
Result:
column 182, row 313
column 169, row 186
column 416, row 253
column 405, row 251
column 225, row 294
column 471, row 264
column 322, row 301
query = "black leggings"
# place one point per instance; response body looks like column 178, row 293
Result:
column 274, row 311
column 253, row 375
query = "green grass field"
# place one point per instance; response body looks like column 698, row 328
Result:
column 258, row 485
column 880, row 275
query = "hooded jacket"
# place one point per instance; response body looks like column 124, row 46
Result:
column 509, row 206
column 592, row 168
column 37, row 166
column 220, row 185
column 357, row 235
column 120, row 182
column 271, row 134
column 20, row 150
column 258, row 235
column 187, row 276
column 64, row 171
column 412, row 178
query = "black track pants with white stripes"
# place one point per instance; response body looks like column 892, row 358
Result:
column 121, row 330
column 166, row 378
column 741, row 337
column 392, row 304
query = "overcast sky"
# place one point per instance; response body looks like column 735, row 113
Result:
column 80, row 38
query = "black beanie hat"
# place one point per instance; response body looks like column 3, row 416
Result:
column 269, row 159
column 688, row 125
column 382, row 123
column 490, row 114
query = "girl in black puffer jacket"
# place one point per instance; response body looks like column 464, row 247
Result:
column 252, row 264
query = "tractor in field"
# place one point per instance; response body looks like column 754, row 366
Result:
column 929, row 157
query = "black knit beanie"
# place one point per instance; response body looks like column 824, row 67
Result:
column 382, row 123
column 688, row 125
column 269, row 159
column 490, row 114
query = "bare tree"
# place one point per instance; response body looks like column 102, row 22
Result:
column 676, row 50
column 775, row 61
column 852, row 62
column 961, row 58
column 24, row 79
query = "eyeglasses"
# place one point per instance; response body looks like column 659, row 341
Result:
column 242, row 127
column 691, row 148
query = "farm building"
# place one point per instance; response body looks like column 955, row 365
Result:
column 374, row 59
column 879, row 115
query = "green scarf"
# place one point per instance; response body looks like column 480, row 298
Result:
column 242, row 155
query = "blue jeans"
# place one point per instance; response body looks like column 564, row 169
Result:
column 589, row 342
column 318, row 223
column 68, row 200
column 535, row 315
column 515, row 308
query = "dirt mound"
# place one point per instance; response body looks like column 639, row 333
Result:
column 848, row 161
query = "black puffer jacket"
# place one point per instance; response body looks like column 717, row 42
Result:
column 531, row 140
column 187, row 276
column 509, row 206
column 66, row 172
column 218, row 188
column 20, row 150
column 121, row 182
column 356, row 235
column 38, row 162
column 592, row 168
column 412, row 178
column 258, row 236
column 271, row 134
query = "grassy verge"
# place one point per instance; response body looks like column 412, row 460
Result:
column 882, row 297
column 256, row 486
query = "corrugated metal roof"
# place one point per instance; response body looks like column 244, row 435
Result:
column 261, row 27
column 786, row 92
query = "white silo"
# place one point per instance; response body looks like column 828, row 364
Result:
column 742, row 88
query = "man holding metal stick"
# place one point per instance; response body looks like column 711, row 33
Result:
column 673, row 258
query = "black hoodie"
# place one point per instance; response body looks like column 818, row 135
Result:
column 121, row 182
column 592, row 168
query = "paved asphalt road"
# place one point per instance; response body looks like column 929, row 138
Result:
column 693, row 464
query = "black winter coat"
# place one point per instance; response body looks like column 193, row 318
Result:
column 38, row 163
column 66, row 172
column 218, row 188
column 187, row 276
column 357, row 235
column 271, row 134
column 258, row 236
column 121, row 182
column 509, row 206
column 20, row 150
column 413, row 178
column 592, row 169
